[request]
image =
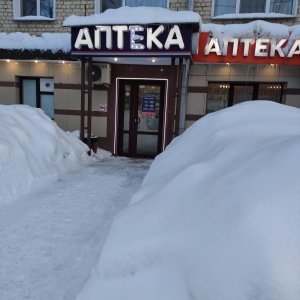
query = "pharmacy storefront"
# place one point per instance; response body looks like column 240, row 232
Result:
column 138, row 63
column 244, row 62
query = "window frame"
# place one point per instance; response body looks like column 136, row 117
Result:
column 267, row 10
column 39, row 91
column 17, row 12
column 98, row 5
column 230, row 85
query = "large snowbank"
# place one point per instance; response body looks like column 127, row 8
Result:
column 33, row 151
column 217, row 216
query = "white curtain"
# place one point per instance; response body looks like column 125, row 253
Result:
column 281, row 6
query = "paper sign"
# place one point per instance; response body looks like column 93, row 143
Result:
column 148, row 104
column 103, row 107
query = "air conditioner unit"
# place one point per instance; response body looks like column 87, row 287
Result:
column 100, row 73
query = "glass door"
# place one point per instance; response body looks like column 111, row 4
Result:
column 140, row 117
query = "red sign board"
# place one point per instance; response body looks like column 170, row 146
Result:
column 246, row 51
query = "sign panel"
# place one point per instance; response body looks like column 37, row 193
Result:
column 132, row 40
column 247, row 50
column 149, row 104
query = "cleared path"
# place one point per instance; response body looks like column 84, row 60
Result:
column 50, row 241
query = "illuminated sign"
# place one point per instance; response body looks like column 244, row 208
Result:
column 247, row 50
column 132, row 40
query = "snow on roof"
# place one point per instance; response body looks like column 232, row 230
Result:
column 252, row 29
column 24, row 41
column 135, row 15
column 62, row 41
column 253, row 16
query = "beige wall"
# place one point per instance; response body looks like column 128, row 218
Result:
column 201, row 74
column 64, row 99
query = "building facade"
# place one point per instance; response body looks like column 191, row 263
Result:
column 117, row 109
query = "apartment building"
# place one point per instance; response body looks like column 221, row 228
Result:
column 131, row 101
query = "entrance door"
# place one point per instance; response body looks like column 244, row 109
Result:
column 140, row 117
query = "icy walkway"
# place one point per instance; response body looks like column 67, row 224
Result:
column 50, row 241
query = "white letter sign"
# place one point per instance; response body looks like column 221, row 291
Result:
column 175, row 31
column 261, row 47
column 84, row 38
column 100, row 29
column 212, row 46
column 120, row 37
column 135, row 39
column 294, row 49
column 152, row 37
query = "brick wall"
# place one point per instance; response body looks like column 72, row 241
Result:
column 62, row 11
column 86, row 7
column 178, row 4
column 204, row 8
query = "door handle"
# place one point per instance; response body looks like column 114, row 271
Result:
column 137, row 120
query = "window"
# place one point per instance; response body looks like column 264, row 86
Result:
column 34, row 8
column 223, row 7
column 107, row 4
column 38, row 92
column 224, row 94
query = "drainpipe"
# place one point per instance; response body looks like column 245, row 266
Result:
column 185, row 81
column 191, row 5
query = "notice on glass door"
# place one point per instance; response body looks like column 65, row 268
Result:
column 148, row 104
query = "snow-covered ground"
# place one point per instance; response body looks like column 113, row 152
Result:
column 217, row 216
column 56, row 205
column 50, row 240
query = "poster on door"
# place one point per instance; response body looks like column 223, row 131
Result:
column 148, row 104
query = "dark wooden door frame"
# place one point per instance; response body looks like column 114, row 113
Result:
column 133, row 129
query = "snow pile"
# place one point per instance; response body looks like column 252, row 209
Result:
column 33, row 151
column 254, row 30
column 102, row 154
column 217, row 216
column 135, row 15
column 24, row 41
column 244, row 16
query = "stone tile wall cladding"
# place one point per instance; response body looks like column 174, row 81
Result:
column 86, row 7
